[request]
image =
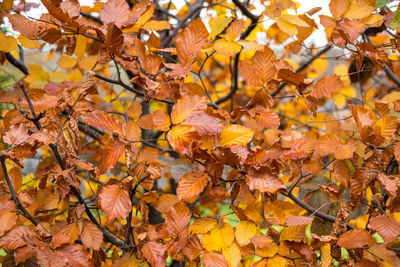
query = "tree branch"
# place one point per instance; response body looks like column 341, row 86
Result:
column 303, row 66
column 16, row 63
column 24, row 212
column 312, row 210
column 108, row 236
column 254, row 19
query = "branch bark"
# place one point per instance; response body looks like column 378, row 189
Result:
column 15, row 198
column 303, row 66
column 254, row 19
column 108, row 236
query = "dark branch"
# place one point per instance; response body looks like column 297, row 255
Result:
column 108, row 237
column 25, row 213
column 303, row 66
column 16, row 63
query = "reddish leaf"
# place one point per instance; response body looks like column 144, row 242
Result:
column 154, row 252
column 115, row 11
column 16, row 238
column 103, row 120
column 191, row 185
column 108, row 156
column 355, row 239
column 16, row 134
column 205, row 124
column 191, row 40
column 326, row 86
column 91, row 235
column 115, row 202
column 387, row 227
column 212, row 259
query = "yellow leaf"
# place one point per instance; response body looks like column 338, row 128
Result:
column 59, row 77
column 360, row 9
column 7, row 43
column 142, row 20
column 218, row 238
column 236, row 135
column 219, row 26
column 80, row 48
column 155, row 25
column 287, row 27
column 326, row 257
column 373, row 20
column 28, row 43
column 295, row 20
column 244, row 231
column 37, row 76
column 87, row 63
column 277, row 261
column 268, row 251
column 293, row 233
column 203, row 225
column 227, row 48
column 66, row 62
column 232, row 254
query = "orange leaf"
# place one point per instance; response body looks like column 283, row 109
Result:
column 108, row 156
column 338, row 8
column 387, row 227
column 115, row 202
column 114, row 38
column 115, row 11
column 154, row 252
column 205, row 124
column 236, row 135
column 226, row 48
column 233, row 31
column 161, row 120
column 91, row 235
column 180, row 137
column 191, row 40
column 186, row 107
column 212, row 259
column 326, row 86
column 191, row 185
column 103, row 120
column 355, row 239
column 360, row 9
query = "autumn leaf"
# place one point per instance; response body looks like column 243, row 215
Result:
column 115, row 202
column 355, row 239
column 218, row 238
column 191, row 185
column 187, row 107
column 91, row 235
column 191, row 40
column 115, row 11
column 236, row 135
column 326, row 86
column 244, row 231
column 102, row 120
column 154, row 252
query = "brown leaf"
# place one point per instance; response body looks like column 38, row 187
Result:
column 28, row 28
column 114, row 38
column 191, row 185
column 212, row 259
column 154, row 252
column 186, row 107
column 178, row 219
column 91, row 235
column 16, row 238
column 16, row 134
column 108, row 156
column 338, row 8
column 390, row 183
column 191, row 40
column 326, row 86
column 115, row 11
column 355, row 239
column 75, row 254
column 387, row 227
column 103, row 120
column 115, row 202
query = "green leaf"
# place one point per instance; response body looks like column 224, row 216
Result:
column 378, row 238
column 381, row 3
column 395, row 24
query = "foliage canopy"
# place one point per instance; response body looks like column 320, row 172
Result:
column 210, row 134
